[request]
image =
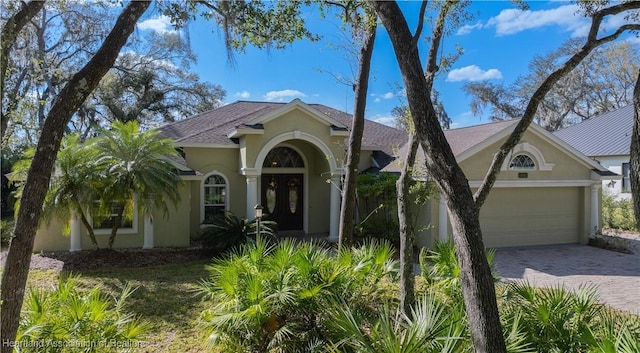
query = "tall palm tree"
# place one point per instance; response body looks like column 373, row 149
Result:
column 135, row 165
column 72, row 190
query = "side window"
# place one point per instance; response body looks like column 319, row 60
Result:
column 626, row 177
column 522, row 162
column 103, row 216
column 214, row 196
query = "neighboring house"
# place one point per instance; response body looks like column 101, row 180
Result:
column 289, row 158
column 607, row 139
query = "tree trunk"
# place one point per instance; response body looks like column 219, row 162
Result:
column 16, row 268
column 10, row 32
column 476, row 278
column 355, row 141
column 407, row 229
column 89, row 226
column 116, row 224
column 634, row 163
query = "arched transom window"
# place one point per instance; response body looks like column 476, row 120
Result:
column 214, row 196
column 522, row 162
column 283, row 157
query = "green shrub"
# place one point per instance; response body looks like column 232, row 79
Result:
column 556, row 320
column 69, row 320
column 432, row 327
column 228, row 231
column 617, row 214
column 6, row 232
column 275, row 297
column 378, row 227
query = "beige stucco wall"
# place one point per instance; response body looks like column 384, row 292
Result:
column 565, row 166
column 295, row 120
column 173, row 231
column 228, row 162
column 170, row 232
column 49, row 237
column 223, row 161
column 529, row 215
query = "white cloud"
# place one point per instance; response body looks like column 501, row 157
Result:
column 466, row 29
column 634, row 40
column 512, row 21
column 161, row 24
column 243, row 95
column 473, row 73
column 385, row 120
column 279, row 96
column 379, row 97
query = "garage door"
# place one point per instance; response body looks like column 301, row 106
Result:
column 531, row 216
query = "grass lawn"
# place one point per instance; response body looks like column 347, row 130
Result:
column 164, row 297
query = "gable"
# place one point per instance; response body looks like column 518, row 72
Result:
column 552, row 162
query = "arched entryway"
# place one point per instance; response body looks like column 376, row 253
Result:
column 317, row 184
column 283, row 187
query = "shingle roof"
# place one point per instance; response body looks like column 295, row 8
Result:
column 460, row 140
column 608, row 134
column 464, row 138
column 212, row 127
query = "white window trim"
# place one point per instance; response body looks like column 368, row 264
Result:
column 202, row 186
column 127, row 230
column 531, row 151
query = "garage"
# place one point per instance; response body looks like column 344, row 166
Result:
column 532, row 216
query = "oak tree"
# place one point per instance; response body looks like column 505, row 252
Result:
column 464, row 205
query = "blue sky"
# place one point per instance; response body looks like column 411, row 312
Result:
column 499, row 43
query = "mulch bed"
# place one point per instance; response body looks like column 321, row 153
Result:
column 90, row 260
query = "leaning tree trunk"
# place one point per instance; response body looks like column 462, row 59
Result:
column 355, row 141
column 634, row 162
column 406, row 226
column 16, row 268
column 407, row 229
column 476, row 278
column 9, row 35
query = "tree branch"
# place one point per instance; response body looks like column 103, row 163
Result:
column 416, row 35
column 9, row 35
column 592, row 42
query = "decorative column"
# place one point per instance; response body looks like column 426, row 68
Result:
column 594, row 224
column 76, row 235
column 443, row 220
column 334, row 209
column 148, row 231
column 252, row 195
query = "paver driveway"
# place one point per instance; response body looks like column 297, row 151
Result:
column 616, row 275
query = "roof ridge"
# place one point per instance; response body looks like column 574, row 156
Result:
column 484, row 124
column 218, row 126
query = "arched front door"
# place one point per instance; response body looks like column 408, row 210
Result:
column 282, row 189
column 282, row 199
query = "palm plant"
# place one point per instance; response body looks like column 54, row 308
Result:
column 72, row 190
column 69, row 320
column 272, row 297
column 440, row 268
column 227, row 231
column 432, row 327
column 554, row 319
column 136, row 163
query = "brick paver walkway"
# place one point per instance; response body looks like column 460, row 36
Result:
column 616, row 275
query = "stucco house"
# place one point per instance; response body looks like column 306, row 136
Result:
column 289, row 158
column 607, row 139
